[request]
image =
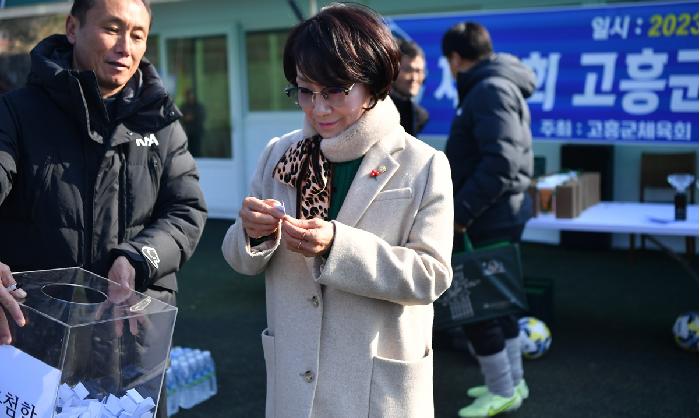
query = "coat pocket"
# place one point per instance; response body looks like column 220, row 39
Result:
column 402, row 193
column 268, row 343
column 402, row 389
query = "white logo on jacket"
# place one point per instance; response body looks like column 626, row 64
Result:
column 491, row 267
column 151, row 255
column 146, row 141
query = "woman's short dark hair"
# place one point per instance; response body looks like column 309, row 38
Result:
column 81, row 7
column 341, row 45
column 468, row 39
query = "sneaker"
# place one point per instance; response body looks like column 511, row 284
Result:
column 489, row 405
column 521, row 388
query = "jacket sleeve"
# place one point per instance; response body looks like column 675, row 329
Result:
column 416, row 273
column 8, row 149
column 497, row 130
column 177, row 220
column 236, row 248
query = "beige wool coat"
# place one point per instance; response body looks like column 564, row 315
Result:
column 350, row 336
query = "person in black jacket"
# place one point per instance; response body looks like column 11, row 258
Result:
column 407, row 86
column 94, row 167
column 490, row 154
column 193, row 115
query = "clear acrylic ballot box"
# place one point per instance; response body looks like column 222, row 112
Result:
column 90, row 348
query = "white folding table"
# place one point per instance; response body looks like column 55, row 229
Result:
column 623, row 217
column 627, row 218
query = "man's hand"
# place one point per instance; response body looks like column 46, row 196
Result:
column 123, row 273
column 8, row 300
column 260, row 217
column 309, row 237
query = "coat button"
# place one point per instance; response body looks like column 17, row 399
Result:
column 308, row 376
column 315, row 301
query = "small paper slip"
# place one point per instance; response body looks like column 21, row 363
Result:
column 280, row 206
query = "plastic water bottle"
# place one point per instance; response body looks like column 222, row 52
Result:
column 190, row 379
column 180, row 379
column 175, row 381
column 196, row 382
column 203, row 377
column 211, row 374
column 188, row 399
column 172, row 390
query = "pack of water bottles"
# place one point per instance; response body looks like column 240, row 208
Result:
column 190, row 379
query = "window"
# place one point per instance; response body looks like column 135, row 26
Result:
column 153, row 51
column 266, row 80
column 198, row 76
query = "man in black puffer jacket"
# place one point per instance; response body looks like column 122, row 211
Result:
column 490, row 154
column 94, row 166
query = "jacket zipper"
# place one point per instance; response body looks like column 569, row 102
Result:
column 121, row 193
column 88, row 211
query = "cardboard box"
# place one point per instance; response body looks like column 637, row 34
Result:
column 565, row 194
column 576, row 195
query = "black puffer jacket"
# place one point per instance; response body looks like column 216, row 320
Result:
column 414, row 117
column 79, row 189
column 490, row 145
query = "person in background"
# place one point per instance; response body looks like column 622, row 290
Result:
column 352, row 268
column 5, row 84
column 490, row 154
column 193, row 115
column 407, row 86
column 94, row 167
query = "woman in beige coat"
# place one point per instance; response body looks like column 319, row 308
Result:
column 352, row 269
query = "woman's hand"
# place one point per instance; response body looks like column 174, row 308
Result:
column 309, row 237
column 260, row 217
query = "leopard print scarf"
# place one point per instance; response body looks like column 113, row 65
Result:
column 304, row 167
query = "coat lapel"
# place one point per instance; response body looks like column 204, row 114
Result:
column 364, row 187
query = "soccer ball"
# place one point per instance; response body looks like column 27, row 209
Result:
column 685, row 331
column 535, row 337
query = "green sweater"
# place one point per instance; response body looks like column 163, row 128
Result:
column 343, row 174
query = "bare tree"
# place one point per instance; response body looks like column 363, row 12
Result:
column 21, row 34
column 17, row 38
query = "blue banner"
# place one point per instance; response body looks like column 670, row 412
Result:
column 613, row 73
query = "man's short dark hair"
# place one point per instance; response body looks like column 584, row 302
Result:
column 81, row 7
column 468, row 39
column 341, row 45
column 410, row 49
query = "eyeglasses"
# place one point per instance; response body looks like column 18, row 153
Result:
column 411, row 70
column 334, row 96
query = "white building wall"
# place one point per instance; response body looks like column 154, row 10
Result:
column 225, row 181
